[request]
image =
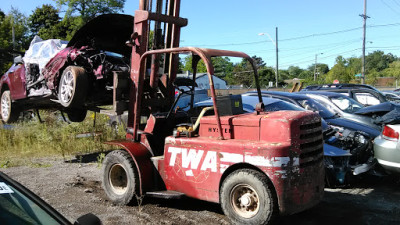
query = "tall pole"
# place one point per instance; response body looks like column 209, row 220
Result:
column 13, row 31
column 315, row 68
column 277, row 69
column 363, row 46
column 276, row 47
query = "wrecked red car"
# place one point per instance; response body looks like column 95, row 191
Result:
column 70, row 76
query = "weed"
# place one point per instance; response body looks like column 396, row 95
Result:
column 139, row 200
column 5, row 164
column 100, row 159
column 32, row 139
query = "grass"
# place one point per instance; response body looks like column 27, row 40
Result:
column 30, row 139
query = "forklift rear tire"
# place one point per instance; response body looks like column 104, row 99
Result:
column 73, row 86
column 246, row 198
column 8, row 110
column 120, row 177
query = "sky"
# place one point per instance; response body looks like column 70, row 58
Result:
column 308, row 30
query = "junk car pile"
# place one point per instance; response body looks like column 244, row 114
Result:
column 71, row 76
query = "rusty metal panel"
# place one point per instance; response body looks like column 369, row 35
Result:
column 194, row 166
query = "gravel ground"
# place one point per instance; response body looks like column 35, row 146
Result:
column 74, row 189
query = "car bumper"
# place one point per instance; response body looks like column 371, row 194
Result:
column 388, row 154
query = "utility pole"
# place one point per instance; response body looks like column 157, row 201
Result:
column 364, row 16
column 277, row 69
column 13, row 31
column 315, row 66
column 276, row 47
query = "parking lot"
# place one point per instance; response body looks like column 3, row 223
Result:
column 74, row 189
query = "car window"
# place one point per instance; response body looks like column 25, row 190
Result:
column 16, row 208
column 281, row 105
column 346, row 104
column 391, row 95
column 366, row 98
column 316, row 106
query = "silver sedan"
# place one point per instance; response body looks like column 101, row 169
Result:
column 387, row 148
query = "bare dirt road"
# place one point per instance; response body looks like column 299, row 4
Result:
column 74, row 189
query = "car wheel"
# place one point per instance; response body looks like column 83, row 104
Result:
column 246, row 198
column 73, row 86
column 76, row 115
column 120, row 177
column 9, row 111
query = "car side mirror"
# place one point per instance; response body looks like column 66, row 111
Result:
column 88, row 219
column 18, row 60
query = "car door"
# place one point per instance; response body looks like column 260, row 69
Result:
column 366, row 98
column 17, row 81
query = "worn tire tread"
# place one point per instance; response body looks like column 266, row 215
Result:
column 259, row 177
column 128, row 197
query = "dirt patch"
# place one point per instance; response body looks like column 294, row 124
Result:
column 74, row 189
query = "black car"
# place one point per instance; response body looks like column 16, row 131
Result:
column 375, row 116
column 330, row 116
column 18, row 205
column 365, row 94
column 346, row 151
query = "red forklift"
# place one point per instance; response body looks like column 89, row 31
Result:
column 256, row 165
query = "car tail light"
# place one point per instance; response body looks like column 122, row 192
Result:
column 390, row 134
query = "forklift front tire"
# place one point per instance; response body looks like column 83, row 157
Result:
column 246, row 198
column 120, row 177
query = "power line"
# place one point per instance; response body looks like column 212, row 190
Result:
column 389, row 7
column 338, row 54
column 398, row 4
column 301, row 37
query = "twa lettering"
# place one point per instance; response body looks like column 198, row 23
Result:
column 193, row 159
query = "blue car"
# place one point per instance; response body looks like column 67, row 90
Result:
column 339, row 145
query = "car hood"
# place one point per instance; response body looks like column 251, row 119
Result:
column 351, row 125
column 384, row 113
column 107, row 32
column 377, row 109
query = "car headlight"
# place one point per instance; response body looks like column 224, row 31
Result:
column 361, row 139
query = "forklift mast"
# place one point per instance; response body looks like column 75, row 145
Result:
column 139, row 42
column 159, row 84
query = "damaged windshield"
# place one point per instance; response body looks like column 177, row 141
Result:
column 311, row 104
column 348, row 105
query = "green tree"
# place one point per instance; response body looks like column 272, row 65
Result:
column 222, row 66
column 88, row 9
column 242, row 73
column 378, row 61
column 187, row 65
column 265, row 75
column 294, row 72
column 16, row 21
column 339, row 71
column 393, row 70
column 43, row 21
